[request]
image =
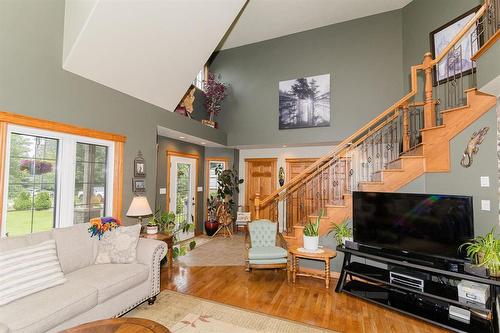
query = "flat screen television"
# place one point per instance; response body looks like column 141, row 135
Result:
column 422, row 224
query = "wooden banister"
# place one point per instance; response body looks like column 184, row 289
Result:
column 346, row 142
column 257, row 206
column 429, row 106
column 462, row 33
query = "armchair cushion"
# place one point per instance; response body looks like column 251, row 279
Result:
column 267, row 252
column 262, row 233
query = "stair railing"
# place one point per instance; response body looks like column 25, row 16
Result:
column 380, row 143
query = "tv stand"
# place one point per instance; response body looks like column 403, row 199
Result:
column 373, row 284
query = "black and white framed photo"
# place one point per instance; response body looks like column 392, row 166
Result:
column 458, row 61
column 304, row 102
column 139, row 166
column 138, row 185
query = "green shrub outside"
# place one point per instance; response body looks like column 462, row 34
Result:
column 42, row 201
column 22, row 201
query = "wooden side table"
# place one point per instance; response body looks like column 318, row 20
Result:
column 167, row 238
column 325, row 256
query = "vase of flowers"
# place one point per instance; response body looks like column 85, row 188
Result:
column 215, row 93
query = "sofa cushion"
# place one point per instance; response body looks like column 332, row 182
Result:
column 119, row 246
column 267, row 252
column 43, row 310
column 27, row 270
column 110, row 279
column 16, row 242
column 75, row 247
column 268, row 261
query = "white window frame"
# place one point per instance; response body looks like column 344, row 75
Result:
column 66, row 170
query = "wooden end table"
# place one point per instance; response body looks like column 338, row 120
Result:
column 167, row 238
column 124, row 324
column 325, row 256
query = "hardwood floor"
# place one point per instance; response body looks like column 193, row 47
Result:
column 306, row 301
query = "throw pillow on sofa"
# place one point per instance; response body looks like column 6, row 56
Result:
column 119, row 246
column 28, row 270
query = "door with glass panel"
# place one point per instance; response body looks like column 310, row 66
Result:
column 182, row 192
column 32, row 184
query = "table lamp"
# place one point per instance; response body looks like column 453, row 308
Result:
column 139, row 207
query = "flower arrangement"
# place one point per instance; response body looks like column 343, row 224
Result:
column 215, row 92
column 99, row 225
column 41, row 167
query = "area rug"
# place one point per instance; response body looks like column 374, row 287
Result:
column 188, row 314
column 218, row 251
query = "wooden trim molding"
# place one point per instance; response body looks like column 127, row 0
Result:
column 7, row 118
column 17, row 119
column 207, row 180
column 171, row 154
column 118, row 180
column 489, row 43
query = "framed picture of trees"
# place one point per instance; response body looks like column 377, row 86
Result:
column 304, row 102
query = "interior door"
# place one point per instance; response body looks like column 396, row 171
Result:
column 260, row 178
column 296, row 207
column 182, row 198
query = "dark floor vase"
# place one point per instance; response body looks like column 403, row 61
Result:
column 211, row 227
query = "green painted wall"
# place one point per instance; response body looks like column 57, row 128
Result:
column 33, row 83
column 363, row 57
column 488, row 66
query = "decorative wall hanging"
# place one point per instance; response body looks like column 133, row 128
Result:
column 281, row 176
column 472, row 147
column 454, row 63
column 138, row 185
column 304, row 102
column 186, row 107
column 139, row 166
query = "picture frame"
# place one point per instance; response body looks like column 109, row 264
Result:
column 139, row 166
column 138, row 185
column 442, row 36
column 304, row 102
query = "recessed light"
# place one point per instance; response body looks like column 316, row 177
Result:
column 203, row 142
column 181, row 137
column 284, row 146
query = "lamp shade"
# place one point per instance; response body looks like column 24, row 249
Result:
column 139, row 207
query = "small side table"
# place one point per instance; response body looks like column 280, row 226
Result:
column 167, row 238
column 325, row 256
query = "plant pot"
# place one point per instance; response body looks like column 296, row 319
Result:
column 346, row 239
column 311, row 243
column 494, row 272
column 211, row 227
column 151, row 229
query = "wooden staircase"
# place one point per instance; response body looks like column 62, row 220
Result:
column 407, row 140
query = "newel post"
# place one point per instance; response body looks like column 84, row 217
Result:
column 257, row 206
column 429, row 106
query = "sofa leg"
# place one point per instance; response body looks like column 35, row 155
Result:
column 151, row 300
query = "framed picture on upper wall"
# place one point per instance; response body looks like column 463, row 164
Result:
column 458, row 61
column 304, row 102
column 139, row 166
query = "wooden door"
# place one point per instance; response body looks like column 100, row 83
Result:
column 260, row 178
column 296, row 207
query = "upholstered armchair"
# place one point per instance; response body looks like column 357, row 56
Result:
column 266, row 247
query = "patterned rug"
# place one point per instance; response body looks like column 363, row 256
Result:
column 218, row 251
column 188, row 314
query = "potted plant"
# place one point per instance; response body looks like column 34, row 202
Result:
column 484, row 251
column 341, row 231
column 215, row 93
column 228, row 184
column 211, row 224
column 151, row 227
column 311, row 234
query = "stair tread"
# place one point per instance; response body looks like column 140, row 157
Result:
column 458, row 108
column 432, row 128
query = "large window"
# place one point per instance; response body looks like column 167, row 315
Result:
column 54, row 180
column 199, row 81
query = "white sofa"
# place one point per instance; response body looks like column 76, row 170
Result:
column 91, row 292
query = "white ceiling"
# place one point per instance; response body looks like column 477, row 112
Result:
column 265, row 19
column 149, row 49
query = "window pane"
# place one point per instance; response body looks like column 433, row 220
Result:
column 32, row 182
column 90, row 182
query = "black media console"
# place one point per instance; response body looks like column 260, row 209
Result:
column 373, row 284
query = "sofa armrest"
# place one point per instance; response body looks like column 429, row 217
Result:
column 150, row 252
